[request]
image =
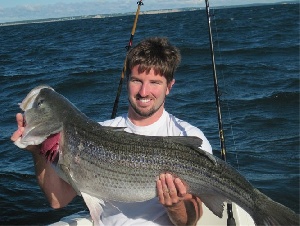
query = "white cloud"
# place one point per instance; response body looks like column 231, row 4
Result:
column 31, row 7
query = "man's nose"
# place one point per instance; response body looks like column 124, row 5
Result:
column 144, row 90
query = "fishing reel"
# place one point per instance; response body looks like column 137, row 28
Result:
column 140, row 2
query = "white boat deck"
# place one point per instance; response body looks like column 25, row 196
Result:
column 242, row 218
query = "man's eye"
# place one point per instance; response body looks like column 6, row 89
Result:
column 155, row 82
column 135, row 81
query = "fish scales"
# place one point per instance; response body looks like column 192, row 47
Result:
column 125, row 153
column 110, row 164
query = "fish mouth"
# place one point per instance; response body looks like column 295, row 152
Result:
column 26, row 140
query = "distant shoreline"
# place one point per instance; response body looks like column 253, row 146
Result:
column 101, row 16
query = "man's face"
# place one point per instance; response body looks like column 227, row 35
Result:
column 147, row 92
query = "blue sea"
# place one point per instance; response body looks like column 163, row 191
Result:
column 257, row 57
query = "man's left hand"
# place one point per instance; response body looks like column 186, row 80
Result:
column 170, row 190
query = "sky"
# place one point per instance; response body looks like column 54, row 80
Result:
column 19, row 10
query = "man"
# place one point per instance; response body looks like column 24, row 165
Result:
column 150, row 77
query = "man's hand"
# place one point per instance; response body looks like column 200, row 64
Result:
column 18, row 133
column 170, row 190
column 182, row 208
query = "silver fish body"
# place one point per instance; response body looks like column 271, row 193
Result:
column 111, row 164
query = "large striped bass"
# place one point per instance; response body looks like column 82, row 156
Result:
column 106, row 163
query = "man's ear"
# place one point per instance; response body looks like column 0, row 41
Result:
column 169, row 86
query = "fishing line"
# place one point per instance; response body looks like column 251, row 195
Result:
column 224, row 85
column 230, row 218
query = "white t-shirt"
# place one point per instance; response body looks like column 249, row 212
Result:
column 150, row 212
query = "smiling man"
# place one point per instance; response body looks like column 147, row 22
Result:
column 150, row 77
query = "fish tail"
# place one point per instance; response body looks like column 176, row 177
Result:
column 269, row 212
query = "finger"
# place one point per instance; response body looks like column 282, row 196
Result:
column 160, row 192
column 180, row 186
column 165, row 189
column 18, row 133
column 171, row 196
column 20, row 120
column 164, row 186
column 171, row 187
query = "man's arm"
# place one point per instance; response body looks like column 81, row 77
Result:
column 58, row 192
column 182, row 208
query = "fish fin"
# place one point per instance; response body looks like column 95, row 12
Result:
column 95, row 208
column 119, row 129
column 115, row 129
column 190, row 141
column 194, row 143
column 269, row 212
column 214, row 203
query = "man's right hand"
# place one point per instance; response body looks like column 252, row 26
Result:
column 18, row 133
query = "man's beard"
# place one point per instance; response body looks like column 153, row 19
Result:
column 145, row 114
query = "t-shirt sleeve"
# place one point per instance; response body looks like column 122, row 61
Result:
column 106, row 123
column 194, row 131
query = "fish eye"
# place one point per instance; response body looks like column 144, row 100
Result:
column 40, row 102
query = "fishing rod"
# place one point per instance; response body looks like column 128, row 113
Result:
column 115, row 108
column 217, row 94
column 230, row 219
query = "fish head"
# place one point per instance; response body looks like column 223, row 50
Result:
column 41, row 115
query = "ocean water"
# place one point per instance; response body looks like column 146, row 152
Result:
column 257, row 56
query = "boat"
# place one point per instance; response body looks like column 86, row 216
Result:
column 241, row 217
